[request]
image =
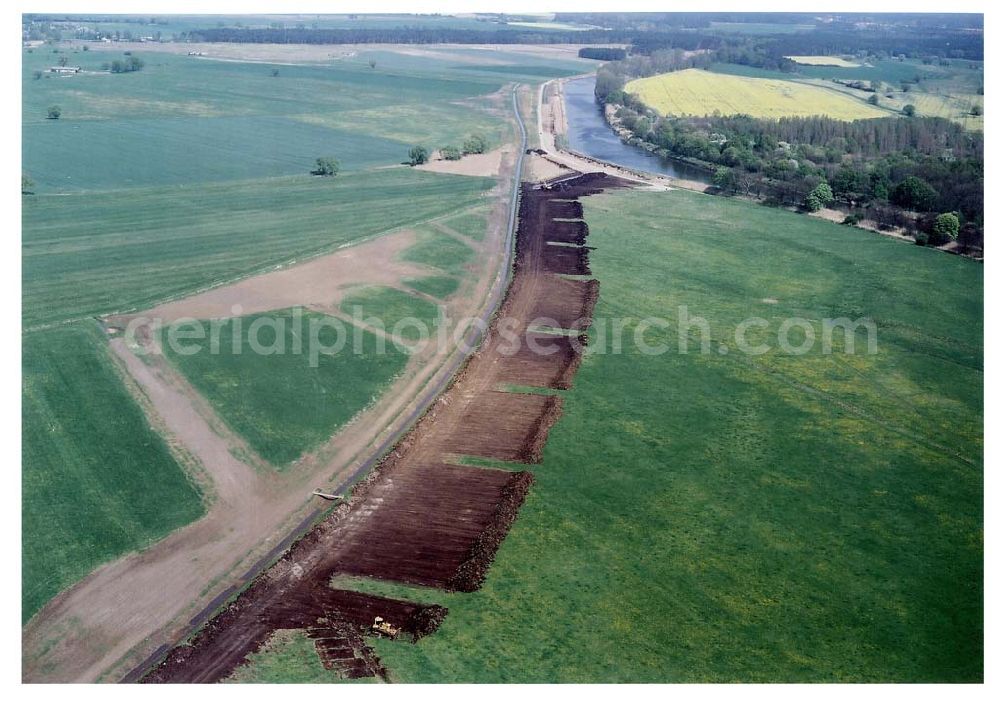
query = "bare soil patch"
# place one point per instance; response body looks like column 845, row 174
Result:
column 568, row 260
column 563, row 209
column 319, row 283
column 485, row 165
column 568, row 232
column 505, row 426
column 550, row 363
column 424, row 521
column 569, row 303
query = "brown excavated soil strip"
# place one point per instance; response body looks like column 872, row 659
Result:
column 505, row 426
column 564, row 303
column 557, row 209
column 415, row 519
column 549, row 362
column 423, row 521
column 568, row 232
column 566, row 260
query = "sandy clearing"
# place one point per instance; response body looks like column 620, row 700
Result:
column 100, row 628
column 485, row 165
column 541, row 168
column 319, row 283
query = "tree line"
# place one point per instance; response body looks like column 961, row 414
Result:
column 865, row 162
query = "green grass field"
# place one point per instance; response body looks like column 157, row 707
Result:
column 438, row 286
column 287, row 397
column 438, row 250
column 733, row 518
column 389, row 307
column 185, row 120
column 470, row 223
column 102, row 252
column 157, row 151
column 96, row 480
column 700, row 93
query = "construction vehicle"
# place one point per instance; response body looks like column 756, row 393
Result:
column 329, row 497
column 380, row 626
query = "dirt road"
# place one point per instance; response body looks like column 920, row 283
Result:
column 103, row 626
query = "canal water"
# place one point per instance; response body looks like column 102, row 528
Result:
column 588, row 133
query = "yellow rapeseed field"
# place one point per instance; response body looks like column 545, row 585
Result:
column 825, row 61
column 700, row 93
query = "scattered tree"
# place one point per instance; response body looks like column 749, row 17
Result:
column 819, row 197
column 946, row 227
column 274, row 72
column 909, row 110
column 326, row 167
column 474, row 145
column 873, row 100
column 976, row 110
column 450, row 152
column 124, row 66
column 63, row 61
column 418, row 155
column 371, row 63
column 36, row 75
column 54, row 112
column 26, row 185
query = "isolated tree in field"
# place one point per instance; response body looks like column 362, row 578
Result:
column 976, row 110
column 873, row 100
column 914, row 193
column 474, row 145
column 450, row 152
column 819, row 197
column 418, row 155
column 26, row 184
column 909, row 110
column 326, row 167
column 54, row 112
column 274, row 72
column 371, row 63
column 36, row 75
column 946, row 227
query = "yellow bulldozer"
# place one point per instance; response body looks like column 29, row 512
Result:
column 380, row 626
